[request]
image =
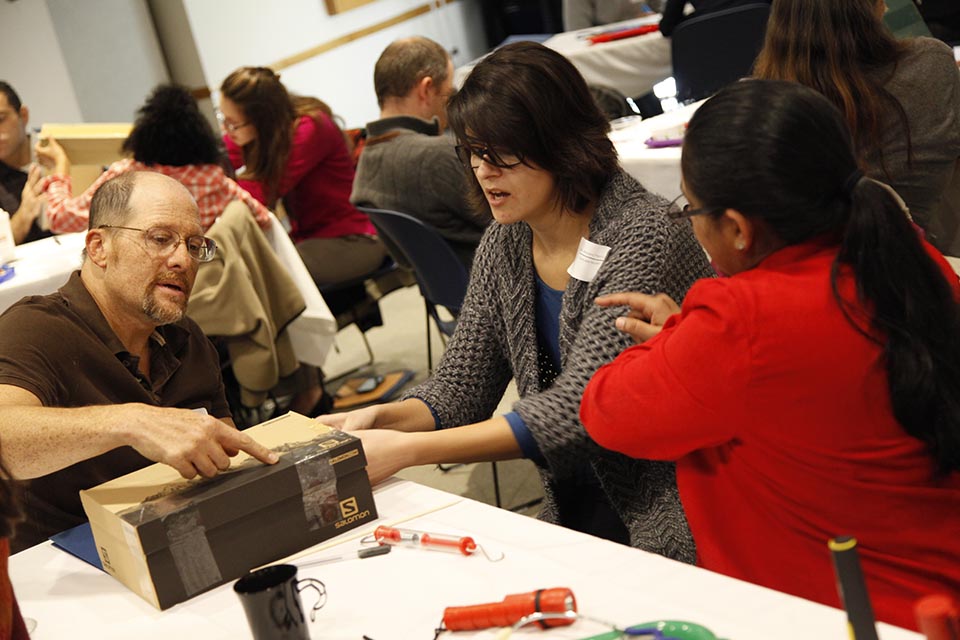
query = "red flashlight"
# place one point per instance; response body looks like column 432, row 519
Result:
column 512, row 609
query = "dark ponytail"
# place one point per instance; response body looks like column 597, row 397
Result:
column 781, row 153
column 914, row 316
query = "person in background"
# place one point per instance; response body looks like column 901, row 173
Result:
column 816, row 391
column 170, row 136
column 289, row 147
column 536, row 149
column 407, row 164
column 581, row 14
column 108, row 374
column 20, row 193
column 674, row 11
column 900, row 98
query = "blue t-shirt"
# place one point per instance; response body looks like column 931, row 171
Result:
column 548, row 304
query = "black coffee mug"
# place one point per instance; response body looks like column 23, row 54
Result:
column 271, row 600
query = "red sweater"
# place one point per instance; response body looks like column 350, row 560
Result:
column 778, row 415
column 11, row 622
column 316, row 183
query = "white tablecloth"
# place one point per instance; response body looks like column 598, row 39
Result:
column 631, row 65
column 42, row 267
column 657, row 169
column 401, row 596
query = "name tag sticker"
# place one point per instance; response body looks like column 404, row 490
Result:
column 590, row 257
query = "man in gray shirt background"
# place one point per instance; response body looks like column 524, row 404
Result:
column 407, row 164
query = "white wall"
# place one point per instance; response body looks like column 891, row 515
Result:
column 31, row 60
column 112, row 55
column 253, row 32
column 90, row 61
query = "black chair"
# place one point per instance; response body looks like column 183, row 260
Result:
column 351, row 304
column 441, row 276
column 714, row 50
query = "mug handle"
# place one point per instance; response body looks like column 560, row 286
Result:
column 320, row 588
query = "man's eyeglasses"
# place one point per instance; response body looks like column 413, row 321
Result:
column 160, row 242
column 226, row 125
column 471, row 155
column 680, row 208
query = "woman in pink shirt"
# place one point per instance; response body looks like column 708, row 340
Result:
column 288, row 147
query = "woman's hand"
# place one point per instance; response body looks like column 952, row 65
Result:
column 356, row 420
column 647, row 313
column 387, row 452
column 52, row 156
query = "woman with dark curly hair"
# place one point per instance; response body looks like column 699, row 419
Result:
column 170, row 136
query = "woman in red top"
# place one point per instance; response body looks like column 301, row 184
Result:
column 816, row 391
column 289, row 147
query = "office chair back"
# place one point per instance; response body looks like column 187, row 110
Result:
column 717, row 49
column 440, row 274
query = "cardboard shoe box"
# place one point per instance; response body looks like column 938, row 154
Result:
column 169, row 539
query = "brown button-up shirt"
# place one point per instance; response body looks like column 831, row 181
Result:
column 61, row 349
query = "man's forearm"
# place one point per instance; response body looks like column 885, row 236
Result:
column 35, row 441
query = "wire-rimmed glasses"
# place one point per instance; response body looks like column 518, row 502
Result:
column 161, row 242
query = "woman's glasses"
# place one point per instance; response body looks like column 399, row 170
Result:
column 227, row 125
column 472, row 155
column 680, row 208
column 160, row 242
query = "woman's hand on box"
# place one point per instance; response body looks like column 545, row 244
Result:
column 356, row 420
column 387, row 452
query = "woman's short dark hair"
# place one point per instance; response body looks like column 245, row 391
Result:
column 781, row 153
column 170, row 130
column 531, row 101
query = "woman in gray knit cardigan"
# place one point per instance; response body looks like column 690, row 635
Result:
column 569, row 226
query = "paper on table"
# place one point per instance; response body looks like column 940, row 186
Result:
column 590, row 257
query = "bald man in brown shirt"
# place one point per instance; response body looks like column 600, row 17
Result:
column 108, row 374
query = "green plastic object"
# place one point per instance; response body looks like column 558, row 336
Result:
column 671, row 629
column 680, row 629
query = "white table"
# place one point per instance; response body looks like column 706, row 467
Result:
column 631, row 65
column 657, row 169
column 401, row 596
column 43, row 266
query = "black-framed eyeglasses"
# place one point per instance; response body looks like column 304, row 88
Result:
column 471, row 155
column 229, row 127
column 161, row 242
column 680, row 209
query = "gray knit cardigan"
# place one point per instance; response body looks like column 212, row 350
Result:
column 496, row 339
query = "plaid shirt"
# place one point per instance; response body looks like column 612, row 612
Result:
column 210, row 186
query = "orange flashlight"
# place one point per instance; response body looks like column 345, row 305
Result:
column 512, row 609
